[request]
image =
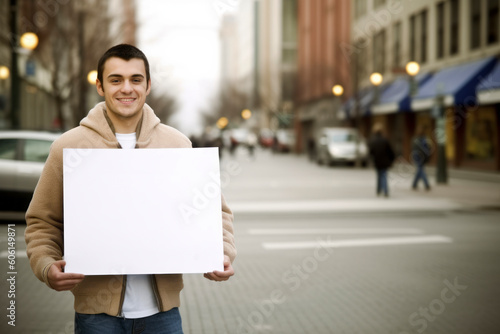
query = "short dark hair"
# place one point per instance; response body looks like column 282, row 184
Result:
column 125, row 52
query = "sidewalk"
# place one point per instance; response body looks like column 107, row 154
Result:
column 305, row 187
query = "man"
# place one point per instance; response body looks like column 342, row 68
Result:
column 112, row 304
column 383, row 157
column 420, row 154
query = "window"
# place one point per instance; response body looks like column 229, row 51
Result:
column 396, row 33
column 475, row 24
column 423, row 37
column 412, row 37
column 36, row 150
column 440, row 30
column 492, row 24
column 379, row 52
column 361, row 65
column 8, row 149
column 454, row 26
column 360, row 8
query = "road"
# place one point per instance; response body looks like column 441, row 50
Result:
column 318, row 252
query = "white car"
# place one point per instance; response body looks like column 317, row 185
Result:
column 22, row 157
column 341, row 145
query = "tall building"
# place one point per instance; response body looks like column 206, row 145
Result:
column 323, row 33
column 455, row 95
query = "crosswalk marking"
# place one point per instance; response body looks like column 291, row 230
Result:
column 357, row 242
column 289, row 231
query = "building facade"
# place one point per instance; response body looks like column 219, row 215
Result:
column 323, row 36
column 457, row 44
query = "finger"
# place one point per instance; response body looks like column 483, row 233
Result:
column 69, row 276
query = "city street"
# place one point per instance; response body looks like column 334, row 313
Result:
column 319, row 252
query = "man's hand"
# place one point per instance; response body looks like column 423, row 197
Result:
column 61, row 281
column 220, row 276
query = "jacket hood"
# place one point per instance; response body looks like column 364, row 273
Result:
column 98, row 121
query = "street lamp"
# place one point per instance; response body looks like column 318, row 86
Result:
column 376, row 79
column 92, row 77
column 29, row 41
column 338, row 90
column 222, row 122
column 412, row 68
column 4, row 72
column 246, row 114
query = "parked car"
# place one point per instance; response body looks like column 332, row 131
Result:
column 284, row 140
column 266, row 138
column 22, row 157
column 341, row 145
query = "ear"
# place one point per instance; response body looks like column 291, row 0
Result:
column 100, row 89
column 149, row 88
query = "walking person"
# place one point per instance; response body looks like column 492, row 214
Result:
column 383, row 156
column 122, row 121
column 420, row 154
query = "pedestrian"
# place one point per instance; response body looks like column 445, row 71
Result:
column 383, row 156
column 112, row 304
column 251, row 143
column 420, row 155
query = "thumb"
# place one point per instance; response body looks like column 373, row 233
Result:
column 60, row 265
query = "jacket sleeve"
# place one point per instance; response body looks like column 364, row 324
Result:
column 44, row 217
column 228, row 231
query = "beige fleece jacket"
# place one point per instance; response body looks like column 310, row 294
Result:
column 44, row 217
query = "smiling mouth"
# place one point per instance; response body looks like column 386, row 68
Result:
column 126, row 100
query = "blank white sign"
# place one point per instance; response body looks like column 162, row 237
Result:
column 142, row 211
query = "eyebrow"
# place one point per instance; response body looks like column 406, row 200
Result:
column 121, row 76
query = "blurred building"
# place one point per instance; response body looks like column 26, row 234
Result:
column 259, row 56
column 457, row 44
column 54, row 93
column 323, row 31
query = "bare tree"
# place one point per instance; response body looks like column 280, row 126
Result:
column 228, row 102
column 164, row 105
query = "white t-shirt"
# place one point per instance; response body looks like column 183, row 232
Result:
column 139, row 299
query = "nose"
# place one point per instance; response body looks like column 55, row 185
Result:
column 126, row 87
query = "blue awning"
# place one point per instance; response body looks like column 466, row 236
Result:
column 367, row 100
column 457, row 84
column 488, row 90
column 492, row 81
column 397, row 96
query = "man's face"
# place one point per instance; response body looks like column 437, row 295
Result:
column 124, row 88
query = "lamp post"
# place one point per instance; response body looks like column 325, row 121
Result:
column 412, row 68
column 376, row 79
column 28, row 42
column 440, row 132
column 4, row 75
column 337, row 91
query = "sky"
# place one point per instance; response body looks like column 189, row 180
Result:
column 181, row 41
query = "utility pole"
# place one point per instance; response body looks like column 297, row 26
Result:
column 14, row 92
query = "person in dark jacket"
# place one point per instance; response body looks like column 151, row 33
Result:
column 420, row 154
column 383, row 156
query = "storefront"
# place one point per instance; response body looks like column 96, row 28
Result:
column 483, row 124
column 471, row 138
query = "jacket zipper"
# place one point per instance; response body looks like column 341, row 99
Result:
column 122, row 297
column 157, row 293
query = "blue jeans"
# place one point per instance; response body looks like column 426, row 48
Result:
column 382, row 182
column 163, row 322
column 420, row 174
